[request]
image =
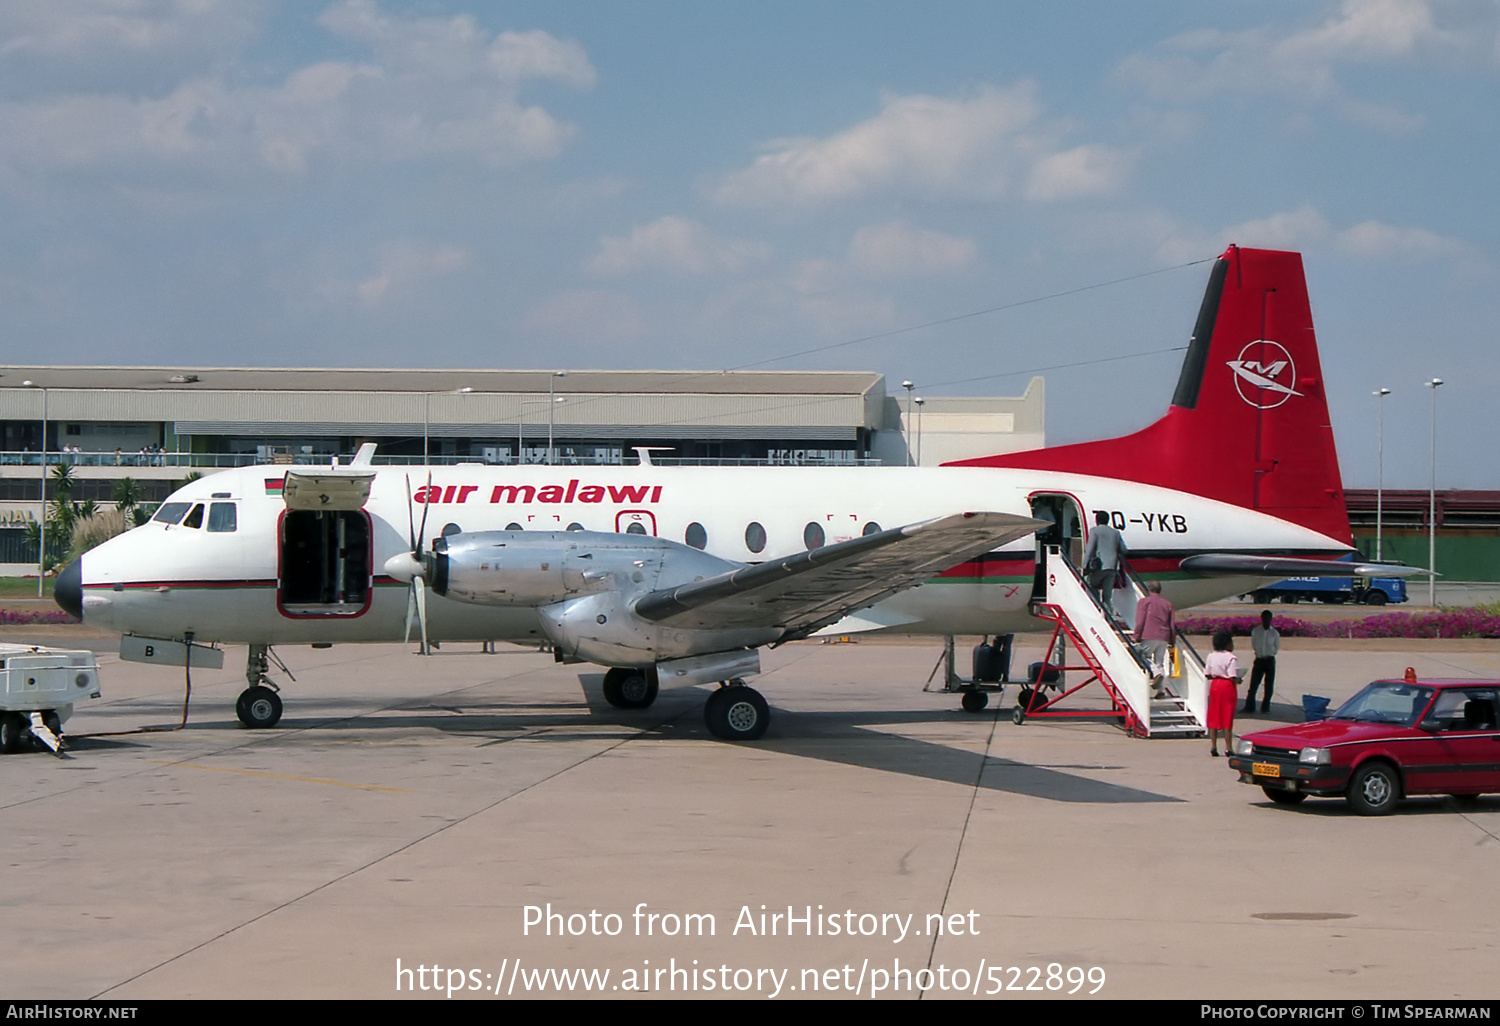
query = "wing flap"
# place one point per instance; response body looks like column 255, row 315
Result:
column 809, row 590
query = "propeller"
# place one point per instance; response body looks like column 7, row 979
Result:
column 411, row 566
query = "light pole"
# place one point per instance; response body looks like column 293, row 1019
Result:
column 1432, row 504
column 427, row 413
column 920, row 402
column 551, row 408
column 521, row 422
column 1380, row 469
column 41, row 520
column 908, row 386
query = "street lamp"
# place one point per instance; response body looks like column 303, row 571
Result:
column 908, row 386
column 1380, row 468
column 427, row 413
column 920, row 402
column 551, row 407
column 1432, row 504
column 41, row 520
column 521, row 422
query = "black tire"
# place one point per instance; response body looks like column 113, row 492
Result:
column 736, row 713
column 12, row 733
column 626, row 688
column 1374, row 789
column 258, row 707
column 975, row 701
column 1290, row 599
column 1260, row 598
column 1284, row 797
column 1375, row 598
column 1018, row 715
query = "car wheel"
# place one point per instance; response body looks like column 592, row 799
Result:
column 1283, row 797
column 1375, row 598
column 1374, row 789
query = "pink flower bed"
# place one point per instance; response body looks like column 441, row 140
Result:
column 1449, row 623
column 11, row 617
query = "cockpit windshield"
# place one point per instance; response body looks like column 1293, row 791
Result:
column 171, row 512
column 1386, row 702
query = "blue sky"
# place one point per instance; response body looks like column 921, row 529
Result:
column 693, row 185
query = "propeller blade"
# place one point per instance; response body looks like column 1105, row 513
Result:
column 426, row 504
column 411, row 608
column 411, row 520
column 419, row 589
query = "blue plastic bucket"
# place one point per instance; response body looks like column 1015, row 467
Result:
column 1314, row 708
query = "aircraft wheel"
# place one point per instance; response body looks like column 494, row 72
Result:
column 12, row 733
column 1283, row 797
column 974, row 701
column 258, row 707
column 626, row 688
column 736, row 714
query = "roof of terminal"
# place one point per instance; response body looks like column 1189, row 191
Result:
column 328, row 379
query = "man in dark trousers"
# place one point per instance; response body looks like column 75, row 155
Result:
column 1101, row 560
column 1266, row 642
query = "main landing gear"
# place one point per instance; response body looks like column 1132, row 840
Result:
column 259, row 705
column 736, row 712
column 628, row 688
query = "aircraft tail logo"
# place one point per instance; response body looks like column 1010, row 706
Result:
column 1264, row 374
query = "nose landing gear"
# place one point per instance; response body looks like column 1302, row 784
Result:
column 259, row 705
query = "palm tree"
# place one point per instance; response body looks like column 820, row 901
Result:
column 127, row 494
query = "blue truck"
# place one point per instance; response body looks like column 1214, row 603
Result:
column 1370, row 591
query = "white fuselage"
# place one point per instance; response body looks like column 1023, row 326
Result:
column 223, row 585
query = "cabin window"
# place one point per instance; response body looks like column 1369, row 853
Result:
column 171, row 512
column 513, row 526
column 636, row 527
column 696, row 535
column 812, row 536
column 575, row 526
column 222, row 518
column 755, row 537
column 195, row 518
column 871, row 528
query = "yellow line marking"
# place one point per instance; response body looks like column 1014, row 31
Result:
column 280, row 776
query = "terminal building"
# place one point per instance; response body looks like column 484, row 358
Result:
column 157, row 425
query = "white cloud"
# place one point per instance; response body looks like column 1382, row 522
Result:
column 898, row 250
column 79, row 31
column 1304, row 229
column 434, row 89
column 1081, row 171
column 1304, row 63
column 403, row 268
column 673, row 244
column 925, row 144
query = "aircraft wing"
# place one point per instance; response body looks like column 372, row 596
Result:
column 810, row 590
column 1225, row 564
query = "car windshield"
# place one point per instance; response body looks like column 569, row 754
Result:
column 1386, row 702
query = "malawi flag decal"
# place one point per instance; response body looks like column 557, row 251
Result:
column 275, row 485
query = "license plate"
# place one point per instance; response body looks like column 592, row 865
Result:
column 1265, row 769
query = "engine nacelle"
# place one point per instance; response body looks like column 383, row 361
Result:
column 505, row 568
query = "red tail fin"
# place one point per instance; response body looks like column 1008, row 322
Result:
column 1249, row 420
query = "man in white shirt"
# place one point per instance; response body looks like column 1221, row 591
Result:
column 1266, row 642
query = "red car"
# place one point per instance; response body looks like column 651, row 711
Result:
column 1394, row 739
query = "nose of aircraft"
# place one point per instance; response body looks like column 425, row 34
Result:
column 68, row 589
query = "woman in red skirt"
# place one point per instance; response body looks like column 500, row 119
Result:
column 1223, row 672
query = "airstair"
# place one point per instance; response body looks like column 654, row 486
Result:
column 1104, row 650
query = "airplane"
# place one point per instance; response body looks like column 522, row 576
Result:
column 1238, row 480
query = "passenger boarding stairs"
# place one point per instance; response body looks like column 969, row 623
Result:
column 1108, row 652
